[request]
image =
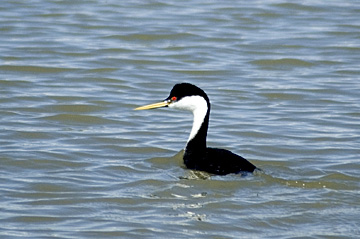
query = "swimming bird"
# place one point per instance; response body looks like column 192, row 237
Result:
column 197, row 155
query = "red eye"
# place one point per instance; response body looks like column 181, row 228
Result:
column 173, row 98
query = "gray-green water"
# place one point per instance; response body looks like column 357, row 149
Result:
column 78, row 162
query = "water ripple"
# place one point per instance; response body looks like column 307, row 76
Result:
column 77, row 161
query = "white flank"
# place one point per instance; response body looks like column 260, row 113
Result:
column 198, row 106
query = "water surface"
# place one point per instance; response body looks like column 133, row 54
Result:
column 78, row 162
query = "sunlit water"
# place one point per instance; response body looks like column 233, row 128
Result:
column 78, row 162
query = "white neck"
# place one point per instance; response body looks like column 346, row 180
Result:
column 198, row 106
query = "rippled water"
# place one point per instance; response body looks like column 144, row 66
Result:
column 78, row 162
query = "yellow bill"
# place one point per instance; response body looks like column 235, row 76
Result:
column 153, row 106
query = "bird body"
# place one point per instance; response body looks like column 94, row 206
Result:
column 197, row 155
column 218, row 161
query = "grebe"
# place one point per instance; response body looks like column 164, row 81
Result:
column 197, row 156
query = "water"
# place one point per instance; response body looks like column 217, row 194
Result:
column 78, row 162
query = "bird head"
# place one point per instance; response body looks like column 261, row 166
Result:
column 184, row 96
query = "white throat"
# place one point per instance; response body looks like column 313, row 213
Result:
column 198, row 106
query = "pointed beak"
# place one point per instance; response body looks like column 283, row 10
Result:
column 153, row 106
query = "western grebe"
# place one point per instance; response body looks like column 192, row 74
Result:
column 197, row 156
